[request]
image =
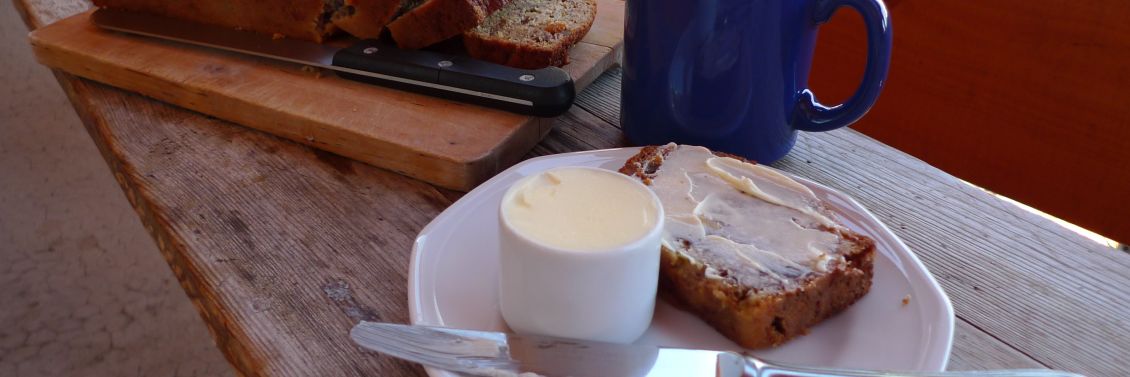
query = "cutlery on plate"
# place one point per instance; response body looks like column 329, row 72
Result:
column 496, row 354
column 540, row 92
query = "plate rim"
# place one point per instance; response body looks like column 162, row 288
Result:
column 940, row 361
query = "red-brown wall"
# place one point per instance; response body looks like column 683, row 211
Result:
column 1029, row 99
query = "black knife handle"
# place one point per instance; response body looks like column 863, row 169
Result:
column 545, row 92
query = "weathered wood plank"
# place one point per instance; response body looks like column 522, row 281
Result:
column 578, row 130
column 974, row 349
column 279, row 268
column 603, row 97
column 1044, row 290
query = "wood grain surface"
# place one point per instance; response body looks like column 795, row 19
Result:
column 1025, row 98
column 282, row 247
column 447, row 143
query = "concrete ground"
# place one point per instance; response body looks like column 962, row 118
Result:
column 83, row 289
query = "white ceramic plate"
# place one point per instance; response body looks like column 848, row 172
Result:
column 453, row 282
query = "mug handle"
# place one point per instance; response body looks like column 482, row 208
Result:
column 811, row 115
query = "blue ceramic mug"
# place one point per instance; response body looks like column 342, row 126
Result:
column 732, row 75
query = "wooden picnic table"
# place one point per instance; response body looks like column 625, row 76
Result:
column 282, row 248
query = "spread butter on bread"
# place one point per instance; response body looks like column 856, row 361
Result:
column 749, row 250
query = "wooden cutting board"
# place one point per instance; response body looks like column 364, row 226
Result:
column 450, row 144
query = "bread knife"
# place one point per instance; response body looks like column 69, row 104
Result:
column 542, row 92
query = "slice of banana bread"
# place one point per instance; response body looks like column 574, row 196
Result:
column 300, row 19
column 436, row 20
column 531, row 34
column 366, row 18
column 752, row 252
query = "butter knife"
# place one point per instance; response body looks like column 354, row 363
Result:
column 496, row 354
column 542, row 92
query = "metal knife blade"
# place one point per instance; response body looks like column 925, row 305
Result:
column 495, row 354
column 486, row 353
column 542, row 92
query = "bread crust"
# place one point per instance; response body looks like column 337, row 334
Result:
column 527, row 55
column 437, row 20
column 752, row 319
column 366, row 18
column 299, row 19
column 513, row 54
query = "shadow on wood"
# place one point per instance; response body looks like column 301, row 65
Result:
column 1024, row 98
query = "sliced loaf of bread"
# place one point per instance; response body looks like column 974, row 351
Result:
column 299, row 19
column 366, row 18
column 436, row 20
column 531, row 34
column 749, row 250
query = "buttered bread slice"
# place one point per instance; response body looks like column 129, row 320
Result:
column 752, row 252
